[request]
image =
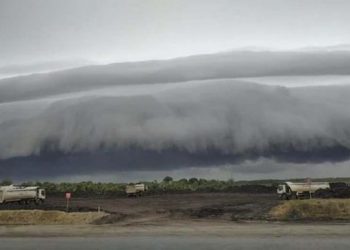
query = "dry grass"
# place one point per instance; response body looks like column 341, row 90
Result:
column 316, row 209
column 40, row 217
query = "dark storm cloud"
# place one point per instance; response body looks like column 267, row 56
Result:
column 53, row 164
column 201, row 123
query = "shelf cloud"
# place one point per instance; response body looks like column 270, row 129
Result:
column 174, row 125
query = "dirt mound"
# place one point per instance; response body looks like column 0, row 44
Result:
column 336, row 190
column 60, row 206
column 331, row 209
column 40, row 217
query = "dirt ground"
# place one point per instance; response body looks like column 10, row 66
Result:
column 185, row 228
column 156, row 208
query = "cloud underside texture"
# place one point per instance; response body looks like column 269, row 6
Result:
column 201, row 123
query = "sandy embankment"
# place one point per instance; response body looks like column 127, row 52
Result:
column 313, row 210
column 41, row 217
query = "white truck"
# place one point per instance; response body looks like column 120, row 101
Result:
column 294, row 190
column 135, row 189
column 20, row 194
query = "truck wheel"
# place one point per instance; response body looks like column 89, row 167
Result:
column 284, row 197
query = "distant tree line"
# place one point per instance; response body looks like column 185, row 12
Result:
column 167, row 185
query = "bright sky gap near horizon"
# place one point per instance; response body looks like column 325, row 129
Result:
column 261, row 89
column 118, row 30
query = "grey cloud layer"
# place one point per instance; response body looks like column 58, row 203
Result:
column 198, row 123
column 216, row 66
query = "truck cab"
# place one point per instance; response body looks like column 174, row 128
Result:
column 284, row 191
column 41, row 194
column 281, row 189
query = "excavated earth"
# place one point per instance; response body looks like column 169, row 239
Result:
column 166, row 207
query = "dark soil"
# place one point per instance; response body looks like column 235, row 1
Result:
column 227, row 206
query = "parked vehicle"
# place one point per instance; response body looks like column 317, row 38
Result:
column 135, row 189
column 20, row 194
column 293, row 190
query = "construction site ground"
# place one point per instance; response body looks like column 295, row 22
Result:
column 156, row 208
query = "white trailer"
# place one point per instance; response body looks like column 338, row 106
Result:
column 294, row 190
column 21, row 194
column 135, row 189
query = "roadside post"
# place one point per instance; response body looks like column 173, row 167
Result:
column 308, row 181
column 68, row 197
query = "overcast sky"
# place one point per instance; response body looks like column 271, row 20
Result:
column 182, row 117
column 119, row 30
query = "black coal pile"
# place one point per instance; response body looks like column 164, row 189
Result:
column 336, row 190
column 254, row 189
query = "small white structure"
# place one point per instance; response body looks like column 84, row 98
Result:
column 20, row 194
column 294, row 190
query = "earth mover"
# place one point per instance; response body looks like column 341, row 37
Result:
column 135, row 189
column 302, row 190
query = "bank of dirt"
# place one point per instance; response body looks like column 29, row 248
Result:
column 40, row 217
column 312, row 210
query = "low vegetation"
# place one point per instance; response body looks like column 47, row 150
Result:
column 315, row 209
column 167, row 185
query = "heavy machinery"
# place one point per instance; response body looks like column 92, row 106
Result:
column 135, row 189
column 294, row 190
column 20, row 194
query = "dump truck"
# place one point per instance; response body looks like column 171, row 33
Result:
column 135, row 189
column 293, row 190
column 22, row 195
